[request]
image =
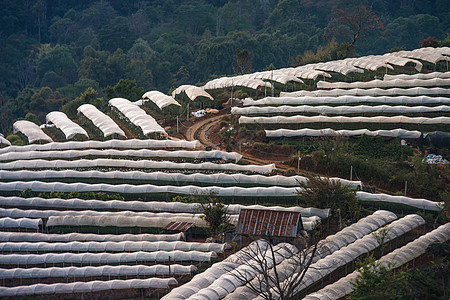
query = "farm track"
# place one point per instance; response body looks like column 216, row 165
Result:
column 200, row 130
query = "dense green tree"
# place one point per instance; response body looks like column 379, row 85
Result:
column 90, row 96
column 409, row 32
column 93, row 66
column 140, row 50
column 32, row 118
column 79, row 87
column 59, row 60
column 52, row 80
column 125, row 88
column 196, row 17
column 116, row 34
column 324, row 193
column 98, row 14
column 64, row 31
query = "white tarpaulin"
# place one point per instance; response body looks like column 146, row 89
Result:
column 395, row 259
column 342, row 119
column 86, row 237
column 142, row 153
column 67, row 126
column 325, row 266
column 126, row 246
column 114, row 271
column 121, row 221
column 431, row 75
column 134, row 164
column 100, row 120
column 429, row 54
column 114, row 144
column 105, row 258
column 137, row 116
column 338, row 110
column 32, row 131
column 414, row 202
column 192, row 92
column 4, row 141
column 24, row 223
column 177, row 178
column 160, row 99
column 241, row 80
column 145, row 206
column 385, row 83
column 37, row 186
column 331, row 244
column 87, row 287
column 302, row 100
column 398, row 133
column 414, row 91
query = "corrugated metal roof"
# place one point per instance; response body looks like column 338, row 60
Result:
column 262, row 222
column 178, row 226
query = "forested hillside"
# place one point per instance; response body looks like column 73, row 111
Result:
column 52, row 51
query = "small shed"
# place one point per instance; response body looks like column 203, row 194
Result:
column 278, row 225
column 177, row 227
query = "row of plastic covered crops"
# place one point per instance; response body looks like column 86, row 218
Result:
column 257, row 270
column 127, row 112
column 82, row 258
column 123, row 111
column 354, row 109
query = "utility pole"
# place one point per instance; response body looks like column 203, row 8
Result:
column 298, row 162
column 351, row 173
column 177, row 125
column 406, row 186
column 271, row 81
column 187, row 115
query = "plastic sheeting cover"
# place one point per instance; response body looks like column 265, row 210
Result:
column 20, row 223
column 122, row 221
column 333, row 242
column 346, row 99
column 160, row 99
column 338, row 110
column 415, row 91
column 399, row 133
column 32, row 131
column 86, row 287
column 148, row 206
column 192, row 92
column 142, row 153
column 431, row 75
column 137, row 116
column 396, row 258
column 38, row 186
column 105, row 258
column 419, row 203
column 85, row 237
column 115, row 144
column 100, row 120
column 73, row 272
column 341, row 119
column 349, row 253
column 67, row 126
column 385, row 83
column 125, row 246
column 4, row 141
column 178, row 178
column 132, row 164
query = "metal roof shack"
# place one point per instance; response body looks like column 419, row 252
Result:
column 178, row 226
column 271, row 223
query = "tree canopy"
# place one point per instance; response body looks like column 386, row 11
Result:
column 70, row 46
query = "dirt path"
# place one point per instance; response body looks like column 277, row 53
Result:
column 202, row 128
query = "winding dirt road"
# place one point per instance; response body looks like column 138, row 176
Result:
column 200, row 130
